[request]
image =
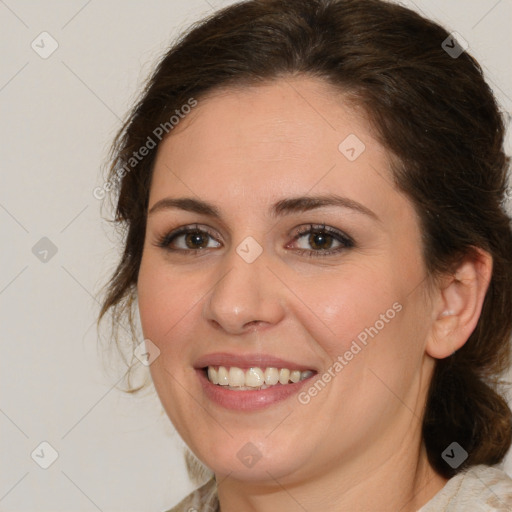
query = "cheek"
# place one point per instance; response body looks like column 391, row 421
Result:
column 163, row 299
column 375, row 344
column 344, row 306
column 366, row 328
column 165, row 308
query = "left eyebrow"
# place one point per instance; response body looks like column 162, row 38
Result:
column 280, row 208
column 307, row 203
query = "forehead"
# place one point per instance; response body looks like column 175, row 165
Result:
column 283, row 138
column 292, row 118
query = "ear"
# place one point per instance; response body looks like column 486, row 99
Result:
column 460, row 297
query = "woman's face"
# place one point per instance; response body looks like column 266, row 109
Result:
column 256, row 288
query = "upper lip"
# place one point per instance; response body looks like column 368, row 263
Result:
column 246, row 361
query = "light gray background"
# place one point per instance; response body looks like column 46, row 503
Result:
column 116, row 452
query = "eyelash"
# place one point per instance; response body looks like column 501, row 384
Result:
column 347, row 242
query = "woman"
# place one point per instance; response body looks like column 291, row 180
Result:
column 317, row 247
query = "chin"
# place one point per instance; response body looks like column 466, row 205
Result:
column 256, row 461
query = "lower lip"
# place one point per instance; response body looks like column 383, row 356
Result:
column 249, row 400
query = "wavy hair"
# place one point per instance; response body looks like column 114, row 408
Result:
column 439, row 121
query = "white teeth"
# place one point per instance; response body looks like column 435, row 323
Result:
column 213, row 375
column 271, row 376
column 284, row 375
column 222, row 375
column 236, row 377
column 254, row 377
column 295, row 376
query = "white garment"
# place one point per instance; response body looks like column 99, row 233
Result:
column 478, row 489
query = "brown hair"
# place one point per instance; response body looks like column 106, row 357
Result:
column 436, row 116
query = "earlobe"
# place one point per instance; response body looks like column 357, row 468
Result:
column 461, row 297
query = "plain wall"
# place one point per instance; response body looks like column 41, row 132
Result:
column 58, row 114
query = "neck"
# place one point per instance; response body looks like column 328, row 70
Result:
column 404, row 481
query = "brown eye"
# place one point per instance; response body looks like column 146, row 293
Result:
column 196, row 240
column 186, row 239
column 321, row 238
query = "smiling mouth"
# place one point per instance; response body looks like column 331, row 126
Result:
column 254, row 378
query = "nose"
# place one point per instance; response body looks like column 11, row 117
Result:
column 248, row 296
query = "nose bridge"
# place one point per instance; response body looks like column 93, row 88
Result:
column 247, row 292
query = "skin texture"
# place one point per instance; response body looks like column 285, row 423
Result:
column 357, row 444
